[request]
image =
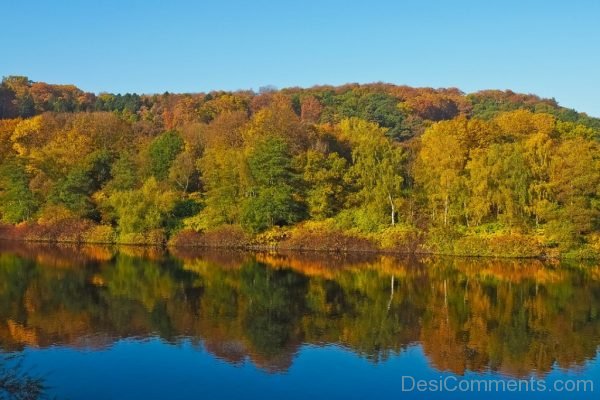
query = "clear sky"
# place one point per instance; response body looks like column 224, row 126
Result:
column 550, row 48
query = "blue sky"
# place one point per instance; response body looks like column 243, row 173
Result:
column 550, row 48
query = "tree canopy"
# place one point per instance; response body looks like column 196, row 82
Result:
column 374, row 161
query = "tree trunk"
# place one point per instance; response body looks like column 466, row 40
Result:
column 446, row 211
column 393, row 209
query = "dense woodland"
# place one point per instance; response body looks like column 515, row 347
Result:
column 373, row 166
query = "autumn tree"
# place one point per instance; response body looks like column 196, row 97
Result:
column 498, row 183
column 574, row 181
column 324, row 176
column 142, row 210
column 377, row 168
column 277, row 120
column 439, row 169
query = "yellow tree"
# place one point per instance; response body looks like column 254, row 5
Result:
column 574, row 181
column 498, row 182
column 277, row 120
column 439, row 168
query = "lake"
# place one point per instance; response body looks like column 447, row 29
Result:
column 132, row 322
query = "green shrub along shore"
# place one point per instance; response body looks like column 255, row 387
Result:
column 374, row 167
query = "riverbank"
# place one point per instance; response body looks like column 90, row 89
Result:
column 317, row 237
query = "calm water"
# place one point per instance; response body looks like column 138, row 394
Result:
column 106, row 323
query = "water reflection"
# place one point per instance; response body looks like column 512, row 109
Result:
column 513, row 317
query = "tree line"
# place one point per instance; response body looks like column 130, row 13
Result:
column 488, row 173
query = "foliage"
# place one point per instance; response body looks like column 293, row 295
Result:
column 142, row 210
column 272, row 194
column 412, row 169
column 324, row 174
column 17, row 202
column 377, row 169
column 162, row 152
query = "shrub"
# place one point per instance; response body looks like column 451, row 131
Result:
column 156, row 237
column 323, row 237
column 403, row 239
column 271, row 238
column 70, row 230
column 503, row 245
column 186, row 238
column 585, row 252
column 11, row 232
column 100, row 234
column 131, row 238
column 440, row 240
column 368, row 219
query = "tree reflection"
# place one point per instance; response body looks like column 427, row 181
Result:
column 510, row 316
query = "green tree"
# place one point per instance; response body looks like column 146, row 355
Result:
column 162, row 152
column 76, row 189
column 222, row 177
column 273, row 199
column 324, row 176
column 144, row 209
column 17, row 202
column 124, row 173
column 377, row 168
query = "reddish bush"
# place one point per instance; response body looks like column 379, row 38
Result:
column 64, row 230
column 326, row 240
column 186, row 238
column 11, row 232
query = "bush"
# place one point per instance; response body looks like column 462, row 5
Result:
column 363, row 219
column 11, row 232
column 323, row 237
column 271, row 238
column 186, row 238
column 402, row 239
column 594, row 241
column 131, row 238
column 585, row 252
column 156, row 237
column 503, row 245
column 100, row 234
column 440, row 240
column 70, row 230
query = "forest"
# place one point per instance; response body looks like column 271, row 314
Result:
column 368, row 167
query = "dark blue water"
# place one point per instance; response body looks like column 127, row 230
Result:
column 99, row 323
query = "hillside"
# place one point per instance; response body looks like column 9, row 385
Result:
column 355, row 167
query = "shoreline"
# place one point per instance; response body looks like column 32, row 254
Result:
column 310, row 238
column 300, row 250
